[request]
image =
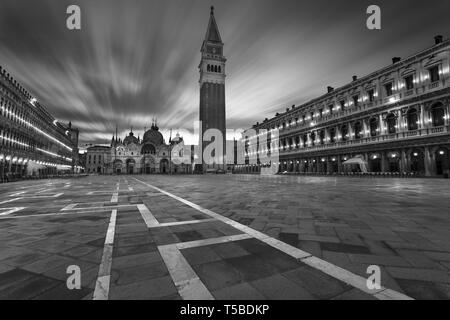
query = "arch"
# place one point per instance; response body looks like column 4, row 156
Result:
column 130, row 164
column 148, row 149
column 164, row 166
column 437, row 114
column 442, row 158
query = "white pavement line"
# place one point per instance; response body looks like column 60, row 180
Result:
column 148, row 217
column 211, row 241
column 104, row 273
column 179, row 223
column 11, row 210
column 115, row 197
column 188, row 284
column 51, row 214
column 303, row 256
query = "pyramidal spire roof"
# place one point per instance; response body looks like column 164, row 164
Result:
column 212, row 33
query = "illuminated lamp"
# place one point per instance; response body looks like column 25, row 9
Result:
column 441, row 152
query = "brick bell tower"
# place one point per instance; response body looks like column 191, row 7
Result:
column 212, row 85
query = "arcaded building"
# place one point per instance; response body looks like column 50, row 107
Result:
column 32, row 142
column 394, row 120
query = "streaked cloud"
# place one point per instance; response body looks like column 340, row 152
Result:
column 137, row 59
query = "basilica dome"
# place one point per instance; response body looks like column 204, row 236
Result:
column 130, row 139
column 153, row 136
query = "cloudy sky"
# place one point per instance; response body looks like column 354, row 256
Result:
column 137, row 59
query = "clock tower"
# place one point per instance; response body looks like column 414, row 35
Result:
column 212, row 85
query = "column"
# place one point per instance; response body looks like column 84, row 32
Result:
column 383, row 161
column 382, row 131
column 428, row 162
column 402, row 164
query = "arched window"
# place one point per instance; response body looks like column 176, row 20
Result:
column 373, row 127
column 412, row 119
column 437, row 115
column 220, row 69
column 322, row 137
column 391, row 123
column 208, row 68
column 305, row 140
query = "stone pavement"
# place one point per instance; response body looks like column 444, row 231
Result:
column 224, row 237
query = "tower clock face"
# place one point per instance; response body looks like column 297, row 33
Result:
column 214, row 50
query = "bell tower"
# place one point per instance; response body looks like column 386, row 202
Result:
column 212, row 83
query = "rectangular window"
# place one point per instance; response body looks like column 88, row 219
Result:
column 388, row 88
column 342, row 102
column 371, row 95
column 434, row 73
column 321, row 112
column 356, row 100
column 331, row 107
column 409, row 82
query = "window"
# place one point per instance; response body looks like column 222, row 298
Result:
column 332, row 135
column 331, row 107
column 342, row 103
column 412, row 119
column 437, row 114
column 321, row 112
column 409, row 82
column 358, row 130
column 391, row 123
column 388, row 88
column 373, row 127
column 355, row 100
column 371, row 94
column 344, row 132
column 434, row 73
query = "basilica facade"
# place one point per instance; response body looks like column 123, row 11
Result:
column 133, row 155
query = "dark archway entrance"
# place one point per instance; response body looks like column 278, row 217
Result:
column 164, row 166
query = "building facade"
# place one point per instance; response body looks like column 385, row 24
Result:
column 151, row 155
column 212, row 88
column 32, row 142
column 393, row 120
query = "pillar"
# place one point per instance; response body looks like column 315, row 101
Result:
column 428, row 162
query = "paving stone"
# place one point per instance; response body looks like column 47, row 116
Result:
column 419, row 274
column 229, row 250
column 241, row 291
column 144, row 290
column 140, row 272
column 199, row 255
column 278, row 287
column 136, row 259
column 316, row 283
column 218, row 274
